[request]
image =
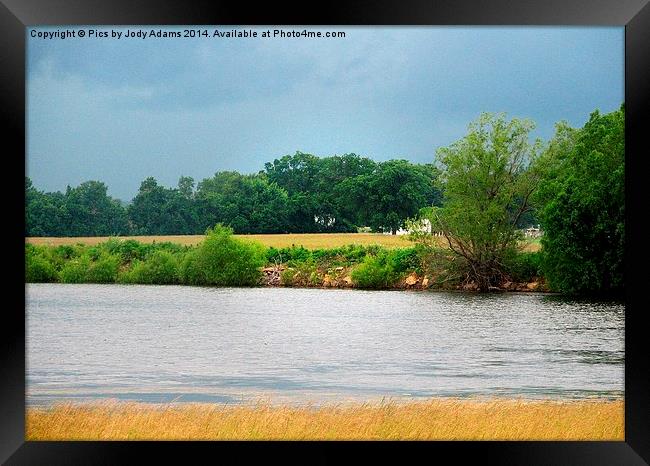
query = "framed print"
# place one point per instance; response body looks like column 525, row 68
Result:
column 384, row 230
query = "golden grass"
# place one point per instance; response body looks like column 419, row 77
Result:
column 531, row 245
column 308, row 240
column 435, row 419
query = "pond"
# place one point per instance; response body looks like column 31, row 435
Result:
column 229, row 345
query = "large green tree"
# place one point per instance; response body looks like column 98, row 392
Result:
column 147, row 210
column 85, row 210
column 392, row 193
column 246, row 203
column 488, row 178
column 583, row 206
column 43, row 212
column 316, row 189
column 89, row 211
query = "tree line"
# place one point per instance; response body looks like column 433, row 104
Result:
column 574, row 183
column 299, row 193
column 479, row 192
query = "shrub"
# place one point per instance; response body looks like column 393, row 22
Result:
column 287, row 276
column 159, row 268
column 302, row 274
column 85, row 270
column 39, row 270
column 128, row 250
column 74, row 271
column 444, row 268
column 103, row 270
column 404, row 259
column 189, row 270
column 223, row 260
column 283, row 255
column 374, row 272
column 356, row 252
column 66, row 252
column 525, row 266
column 95, row 252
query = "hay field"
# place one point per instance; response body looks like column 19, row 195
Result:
column 435, row 419
column 308, row 240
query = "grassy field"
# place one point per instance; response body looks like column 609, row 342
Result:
column 436, row 419
column 307, row 240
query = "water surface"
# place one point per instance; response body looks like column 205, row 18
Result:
column 228, row 345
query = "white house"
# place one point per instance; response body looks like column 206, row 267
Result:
column 533, row 232
column 423, row 226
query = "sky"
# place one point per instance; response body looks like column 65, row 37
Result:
column 120, row 110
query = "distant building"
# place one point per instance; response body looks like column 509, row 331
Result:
column 533, row 232
column 423, row 227
column 324, row 221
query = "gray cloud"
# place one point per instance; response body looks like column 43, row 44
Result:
column 119, row 111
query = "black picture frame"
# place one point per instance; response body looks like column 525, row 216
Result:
column 17, row 15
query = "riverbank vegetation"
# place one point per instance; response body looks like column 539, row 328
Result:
column 488, row 177
column 436, row 419
column 476, row 198
column 582, row 206
column 222, row 259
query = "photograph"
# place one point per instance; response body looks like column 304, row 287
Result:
column 325, row 232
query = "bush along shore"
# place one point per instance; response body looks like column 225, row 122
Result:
column 224, row 260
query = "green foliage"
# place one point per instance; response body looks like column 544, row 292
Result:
column 86, row 210
column 160, row 268
column 488, row 180
column 374, row 272
column 157, row 210
column 291, row 254
column 85, row 269
column 74, row 271
column 524, row 266
column 128, row 250
column 94, row 252
column 296, row 193
column 66, row 252
column 394, row 191
column 102, row 270
column 384, row 268
column 404, row 259
column 39, row 270
column 246, row 203
column 444, row 268
column 287, row 276
column 583, row 206
column 190, row 271
column 223, row 260
column 302, row 274
column 344, row 255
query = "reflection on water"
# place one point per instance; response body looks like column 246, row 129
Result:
column 164, row 343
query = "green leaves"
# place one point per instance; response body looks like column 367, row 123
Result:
column 223, row 260
column 86, row 210
column 583, row 206
column 487, row 181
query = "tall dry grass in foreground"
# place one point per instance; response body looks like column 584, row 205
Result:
column 437, row 419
